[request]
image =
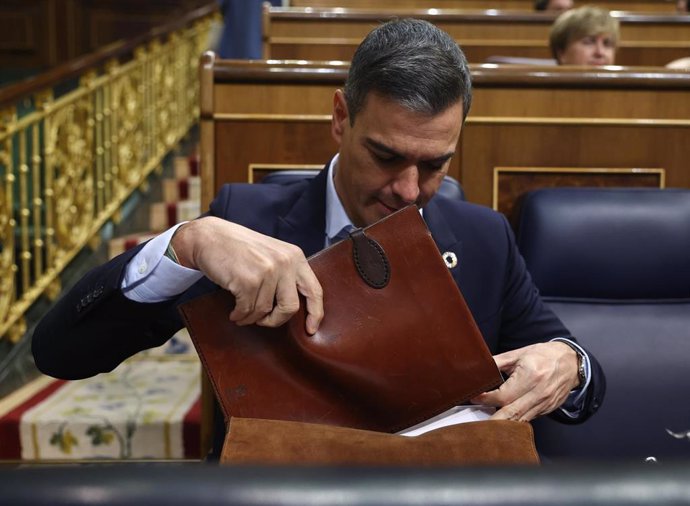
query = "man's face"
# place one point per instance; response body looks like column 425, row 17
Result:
column 390, row 157
column 591, row 50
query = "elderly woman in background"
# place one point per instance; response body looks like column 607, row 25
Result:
column 584, row 36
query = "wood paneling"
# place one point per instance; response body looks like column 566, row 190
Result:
column 247, row 141
column 528, row 5
column 106, row 21
column 289, row 98
column 24, row 33
column 322, row 34
column 482, row 51
column 598, row 120
column 42, row 34
column 380, row 5
column 494, row 142
column 499, row 90
column 511, row 183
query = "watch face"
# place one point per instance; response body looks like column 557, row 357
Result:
column 581, row 373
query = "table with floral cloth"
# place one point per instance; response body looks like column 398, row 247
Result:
column 147, row 408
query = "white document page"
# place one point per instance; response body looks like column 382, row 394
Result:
column 454, row 416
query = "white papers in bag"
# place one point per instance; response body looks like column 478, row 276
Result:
column 454, row 416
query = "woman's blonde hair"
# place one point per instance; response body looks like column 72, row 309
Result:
column 576, row 24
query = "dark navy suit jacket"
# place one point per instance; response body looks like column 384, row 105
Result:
column 94, row 327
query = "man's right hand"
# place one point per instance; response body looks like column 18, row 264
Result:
column 264, row 274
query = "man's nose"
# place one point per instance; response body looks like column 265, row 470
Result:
column 406, row 184
column 599, row 47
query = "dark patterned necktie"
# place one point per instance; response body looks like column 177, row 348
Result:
column 343, row 234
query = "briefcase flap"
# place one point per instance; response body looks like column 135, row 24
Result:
column 384, row 358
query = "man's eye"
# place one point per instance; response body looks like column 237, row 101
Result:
column 432, row 166
column 384, row 158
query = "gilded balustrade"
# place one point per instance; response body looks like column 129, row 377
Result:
column 68, row 162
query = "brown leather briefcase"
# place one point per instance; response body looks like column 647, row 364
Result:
column 397, row 344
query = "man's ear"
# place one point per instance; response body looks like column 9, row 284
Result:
column 340, row 118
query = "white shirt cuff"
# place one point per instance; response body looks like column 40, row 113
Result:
column 152, row 277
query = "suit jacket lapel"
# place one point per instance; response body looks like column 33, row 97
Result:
column 305, row 223
column 443, row 235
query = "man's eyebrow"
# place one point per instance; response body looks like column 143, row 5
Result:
column 382, row 147
column 390, row 151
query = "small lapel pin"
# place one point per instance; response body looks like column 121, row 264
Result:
column 450, row 258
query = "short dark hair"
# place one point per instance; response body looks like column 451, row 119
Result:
column 412, row 62
column 541, row 5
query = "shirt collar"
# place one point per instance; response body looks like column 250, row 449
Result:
column 336, row 217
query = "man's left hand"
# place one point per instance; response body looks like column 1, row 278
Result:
column 540, row 377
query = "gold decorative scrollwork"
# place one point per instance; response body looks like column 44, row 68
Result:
column 7, row 225
column 17, row 330
column 129, row 132
column 166, row 88
column 68, row 163
column 53, row 289
column 71, row 143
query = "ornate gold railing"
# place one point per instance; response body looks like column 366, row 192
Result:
column 69, row 161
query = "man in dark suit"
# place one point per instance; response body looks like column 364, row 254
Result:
column 397, row 122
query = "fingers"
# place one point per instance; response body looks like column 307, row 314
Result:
column 523, row 409
column 264, row 274
column 269, row 296
column 309, row 286
column 509, row 392
column 538, row 382
column 517, row 402
column 286, row 303
column 506, row 361
column 287, row 299
column 253, row 304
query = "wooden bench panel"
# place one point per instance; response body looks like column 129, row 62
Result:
column 482, row 51
column 521, row 117
column 255, row 140
column 323, row 34
column 380, row 5
column 499, row 90
column 606, row 153
column 527, row 5
column 511, row 183
column 487, row 144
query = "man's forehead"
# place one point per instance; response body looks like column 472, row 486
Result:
column 392, row 102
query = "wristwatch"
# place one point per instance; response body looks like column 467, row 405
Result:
column 581, row 370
